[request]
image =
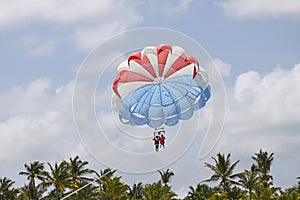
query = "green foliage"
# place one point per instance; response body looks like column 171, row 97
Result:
column 7, row 192
column 136, row 191
column 201, row 192
column 34, row 173
column 219, row 196
column 89, row 192
column 165, row 176
column 74, row 178
column 249, row 180
column 113, row 188
column 77, row 170
column 263, row 166
column 59, row 178
column 158, row 191
column 236, row 193
column 223, row 171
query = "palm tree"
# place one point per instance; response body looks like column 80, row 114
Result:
column 78, row 170
column 7, row 192
column 112, row 188
column 201, row 192
column 136, row 191
column 263, row 164
column 237, row 193
column 263, row 193
column 158, row 191
column 249, row 180
column 26, row 192
column 223, row 171
column 290, row 194
column 219, row 196
column 59, row 177
column 165, row 176
column 90, row 191
column 107, row 172
column 33, row 171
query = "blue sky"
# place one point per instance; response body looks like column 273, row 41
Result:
column 255, row 45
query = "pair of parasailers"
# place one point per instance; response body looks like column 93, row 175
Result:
column 159, row 140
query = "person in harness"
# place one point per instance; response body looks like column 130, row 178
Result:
column 162, row 141
column 156, row 142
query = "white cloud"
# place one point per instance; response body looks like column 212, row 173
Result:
column 15, row 12
column 168, row 7
column 36, row 121
column 180, row 7
column 36, row 124
column 224, row 67
column 27, row 100
column 25, row 135
column 255, row 9
column 272, row 99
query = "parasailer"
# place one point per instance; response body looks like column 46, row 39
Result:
column 162, row 141
column 156, row 142
column 159, row 86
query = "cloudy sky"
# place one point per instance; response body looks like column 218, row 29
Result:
column 254, row 44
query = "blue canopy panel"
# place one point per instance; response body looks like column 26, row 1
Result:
column 163, row 104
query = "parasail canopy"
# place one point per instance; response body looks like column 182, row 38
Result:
column 159, row 86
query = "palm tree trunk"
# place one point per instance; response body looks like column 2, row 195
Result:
column 34, row 193
column 56, row 193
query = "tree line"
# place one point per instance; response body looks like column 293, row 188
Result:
column 73, row 180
